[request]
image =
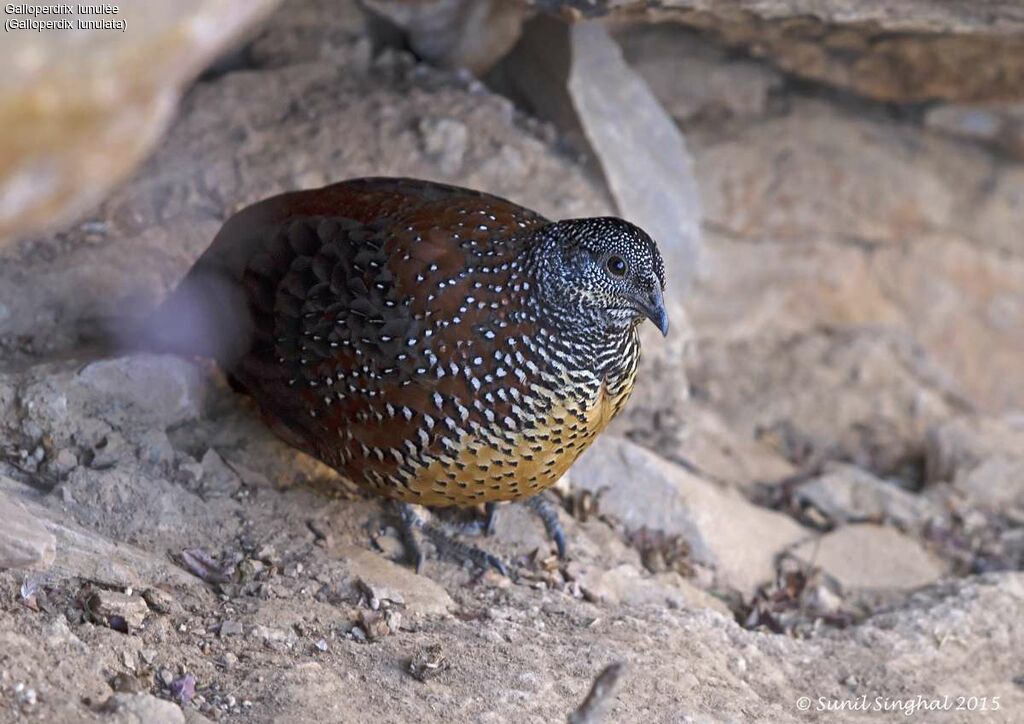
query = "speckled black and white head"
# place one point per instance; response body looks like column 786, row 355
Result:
column 604, row 270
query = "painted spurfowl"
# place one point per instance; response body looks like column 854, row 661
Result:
column 435, row 345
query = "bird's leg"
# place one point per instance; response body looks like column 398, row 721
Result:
column 490, row 517
column 544, row 509
column 541, row 506
column 414, row 527
column 410, row 524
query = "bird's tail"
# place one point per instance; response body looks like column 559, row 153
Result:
column 205, row 316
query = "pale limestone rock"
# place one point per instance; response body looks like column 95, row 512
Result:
column 24, row 540
column 998, row 124
column 846, row 493
column 80, row 108
column 81, row 553
column 625, row 584
column 141, row 709
column 643, row 154
column 898, row 52
column 739, row 540
column 470, row 34
column 868, row 557
column 982, row 457
column 397, row 583
column 113, row 604
column 692, row 77
column 703, row 441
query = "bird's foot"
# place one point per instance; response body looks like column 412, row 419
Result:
column 542, row 507
column 414, row 526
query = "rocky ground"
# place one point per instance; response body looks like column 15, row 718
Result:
column 821, row 496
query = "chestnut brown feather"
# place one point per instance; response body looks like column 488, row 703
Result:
column 435, row 344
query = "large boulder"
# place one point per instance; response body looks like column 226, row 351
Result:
column 81, row 107
column 897, row 52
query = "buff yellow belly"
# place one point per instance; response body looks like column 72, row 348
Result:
column 540, row 457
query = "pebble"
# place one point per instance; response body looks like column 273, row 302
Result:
column 386, row 581
column 112, row 606
column 378, row 624
column 231, row 628
column 26, row 696
column 64, row 462
column 184, row 689
column 158, row 600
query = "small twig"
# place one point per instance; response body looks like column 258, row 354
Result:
column 202, row 565
column 589, row 712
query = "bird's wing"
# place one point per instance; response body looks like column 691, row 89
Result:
column 358, row 293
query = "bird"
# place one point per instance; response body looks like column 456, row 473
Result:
column 435, row 345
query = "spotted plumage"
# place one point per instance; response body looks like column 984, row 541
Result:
column 434, row 344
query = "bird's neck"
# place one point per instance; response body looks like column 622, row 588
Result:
column 576, row 337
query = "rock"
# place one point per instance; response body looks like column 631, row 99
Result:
column 80, row 110
column 157, row 225
column 920, row 51
column 143, row 389
column 158, row 600
column 858, row 394
column 218, row 479
column 471, row 34
column 933, row 16
column 642, row 152
column 845, row 494
column 230, row 628
column 624, row 584
column 24, row 540
column 998, row 124
column 313, row 31
column 519, row 529
column 82, row 405
column 378, row 624
column 869, row 557
column 995, row 484
column 865, row 255
column 64, row 462
column 692, row 77
column 642, row 490
column 446, row 140
column 141, row 709
column 700, row 440
column 156, row 448
column 982, row 457
column 387, row 581
column 270, row 635
column 83, row 554
column 915, row 186
column 112, row 606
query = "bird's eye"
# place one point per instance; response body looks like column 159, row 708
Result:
column 616, row 266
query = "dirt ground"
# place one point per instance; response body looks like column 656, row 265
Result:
column 825, row 530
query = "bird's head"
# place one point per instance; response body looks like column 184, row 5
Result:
column 607, row 269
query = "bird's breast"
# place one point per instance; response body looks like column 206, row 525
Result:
column 488, row 467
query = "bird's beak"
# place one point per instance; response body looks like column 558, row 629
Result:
column 654, row 309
